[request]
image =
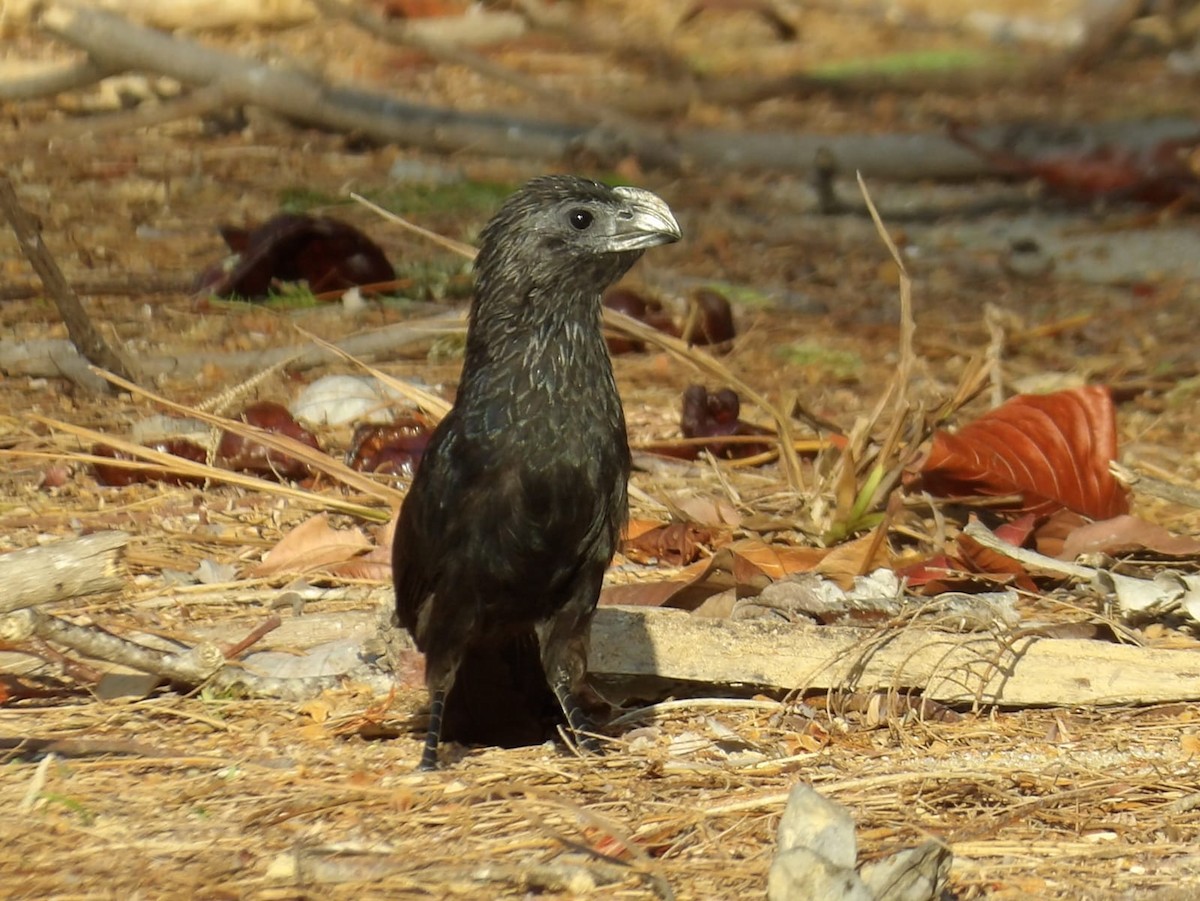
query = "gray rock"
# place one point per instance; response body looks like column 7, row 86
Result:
column 802, row 875
column 915, row 874
column 818, row 824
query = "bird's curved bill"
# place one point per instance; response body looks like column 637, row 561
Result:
column 644, row 221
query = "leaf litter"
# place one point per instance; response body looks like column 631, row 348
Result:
column 221, row 797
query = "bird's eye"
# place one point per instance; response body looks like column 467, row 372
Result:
column 580, row 219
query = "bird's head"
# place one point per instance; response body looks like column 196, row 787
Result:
column 560, row 232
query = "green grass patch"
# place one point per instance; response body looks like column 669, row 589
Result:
column 840, row 364
column 742, row 295
column 416, row 200
column 301, row 199
column 85, row 814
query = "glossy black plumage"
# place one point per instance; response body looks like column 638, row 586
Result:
column 516, row 509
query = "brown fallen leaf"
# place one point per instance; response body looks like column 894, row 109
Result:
column 971, row 566
column 674, row 543
column 635, row 528
column 999, row 568
column 1052, row 450
column 325, row 253
column 748, row 565
column 1126, row 534
column 376, row 564
column 864, row 554
column 707, row 510
column 312, row 545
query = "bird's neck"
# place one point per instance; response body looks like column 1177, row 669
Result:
column 539, row 359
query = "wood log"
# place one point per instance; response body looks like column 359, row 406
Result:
column 66, row 569
column 951, row 667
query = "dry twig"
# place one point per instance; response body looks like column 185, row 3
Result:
column 83, row 332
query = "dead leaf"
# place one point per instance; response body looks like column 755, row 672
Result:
column 985, row 561
column 1052, row 534
column 864, row 554
column 778, row 560
column 635, row 528
column 707, row 511
column 1053, row 450
column 693, row 585
column 1126, row 534
column 325, row 253
column 312, row 545
column 675, row 543
column 748, row 566
column 375, row 566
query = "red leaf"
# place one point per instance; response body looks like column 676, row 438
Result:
column 676, row 543
column 985, row 561
column 1053, row 450
column 291, row 247
column 1127, row 534
column 246, row 455
column 715, row 415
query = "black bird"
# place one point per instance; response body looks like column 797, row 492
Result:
column 515, row 511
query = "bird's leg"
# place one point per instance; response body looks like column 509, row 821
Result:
column 439, row 676
column 564, row 659
column 575, row 716
column 433, row 737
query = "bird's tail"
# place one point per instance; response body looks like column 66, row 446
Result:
column 500, row 696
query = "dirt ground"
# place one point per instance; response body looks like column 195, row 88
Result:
column 211, row 797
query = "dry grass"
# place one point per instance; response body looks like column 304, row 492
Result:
column 256, row 800
column 200, row 797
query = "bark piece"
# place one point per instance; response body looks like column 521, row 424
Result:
column 66, row 569
column 954, row 668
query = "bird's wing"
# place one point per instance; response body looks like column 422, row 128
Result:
column 419, row 548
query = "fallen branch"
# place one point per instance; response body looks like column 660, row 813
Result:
column 203, row 665
column 128, row 285
column 191, row 666
column 954, row 668
column 950, row 667
column 650, row 144
column 50, row 358
column 66, row 569
column 84, row 335
column 112, row 42
column 48, row 80
column 201, row 102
